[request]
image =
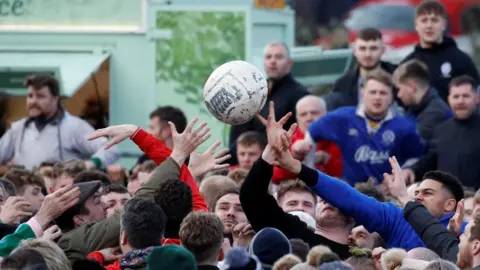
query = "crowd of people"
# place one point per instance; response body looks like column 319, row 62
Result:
column 378, row 175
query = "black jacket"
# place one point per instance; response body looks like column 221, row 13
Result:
column 430, row 112
column 345, row 90
column 433, row 232
column 262, row 210
column 454, row 148
column 445, row 61
column 285, row 93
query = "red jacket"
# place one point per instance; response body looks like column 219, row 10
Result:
column 157, row 151
column 332, row 168
column 98, row 257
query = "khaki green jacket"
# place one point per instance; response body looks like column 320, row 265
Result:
column 79, row 242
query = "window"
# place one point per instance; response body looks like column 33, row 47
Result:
column 382, row 16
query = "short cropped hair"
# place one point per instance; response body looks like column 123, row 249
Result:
column 171, row 114
column 223, row 193
column 202, row 234
column 415, row 70
column 430, row 7
column 293, row 185
column 38, row 81
column 462, row 80
column 379, row 76
column 20, row 178
column 114, row 188
column 147, row 166
column 250, row 138
column 93, row 175
column 369, row 34
column 369, row 189
column 143, row 223
column 448, row 181
column 70, row 167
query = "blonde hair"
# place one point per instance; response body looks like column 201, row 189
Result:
column 392, row 258
column 52, row 253
column 286, row 262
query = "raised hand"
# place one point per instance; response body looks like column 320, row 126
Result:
column 395, row 182
column 185, row 143
column 56, row 203
column 455, row 223
column 14, row 209
column 277, row 136
column 116, row 134
column 201, row 164
column 242, row 234
column 52, row 233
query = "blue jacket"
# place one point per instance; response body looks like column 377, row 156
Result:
column 365, row 151
column 384, row 218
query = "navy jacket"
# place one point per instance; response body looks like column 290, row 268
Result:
column 384, row 218
column 445, row 61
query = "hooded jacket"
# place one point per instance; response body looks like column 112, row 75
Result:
column 445, row 61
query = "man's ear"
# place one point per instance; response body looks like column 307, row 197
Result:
column 450, row 205
column 123, row 238
column 78, row 220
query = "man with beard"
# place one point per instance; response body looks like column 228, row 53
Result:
column 284, row 90
column 228, row 209
column 50, row 133
column 262, row 210
column 368, row 50
column 441, row 54
column 455, row 147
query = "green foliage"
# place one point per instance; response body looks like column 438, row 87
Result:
column 201, row 41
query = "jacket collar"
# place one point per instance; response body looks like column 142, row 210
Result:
column 278, row 84
column 361, row 112
column 430, row 95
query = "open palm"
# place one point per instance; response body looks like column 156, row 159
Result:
column 201, row 164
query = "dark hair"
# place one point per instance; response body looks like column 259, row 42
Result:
column 379, row 76
column 250, row 138
column 171, row 114
column 143, row 223
column 294, row 185
column 462, row 80
column 38, row 81
column 9, row 187
column 90, row 264
column 448, row 181
column 369, row 34
column 65, row 221
column 71, row 167
column 24, row 259
column 175, row 198
column 115, row 188
column 147, row 166
column 223, row 193
column 329, row 257
column 369, row 189
column 430, row 6
column 299, row 248
column 92, row 175
column 475, row 228
column 202, row 234
column 415, row 70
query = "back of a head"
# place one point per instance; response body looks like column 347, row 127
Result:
column 143, row 223
column 413, row 70
column 269, row 245
column 92, row 175
column 286, row 262
column 171, row 114
column 175, row 198
column 24, row 259
column 202, row 234
column 71, row 167
column 21, row 178
column 54, row 256
column 212, row 186
column 334, row 266
column 423, row 254
column 299, row 248
column 441, row 265
column 393, row 258
column 361, row 263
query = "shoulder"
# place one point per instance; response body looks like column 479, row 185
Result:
column 402, row 124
